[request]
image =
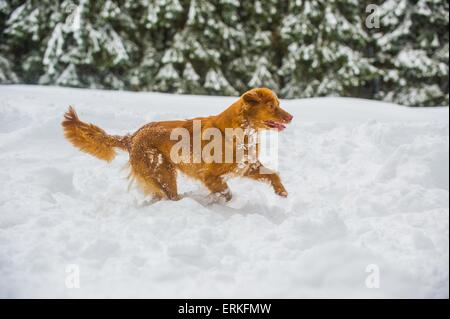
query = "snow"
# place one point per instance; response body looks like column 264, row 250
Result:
column 190, row 74
column 215, row 80
column 368, row 189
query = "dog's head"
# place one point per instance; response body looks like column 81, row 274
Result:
column 262, row 110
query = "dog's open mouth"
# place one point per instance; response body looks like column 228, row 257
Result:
column 276, row 125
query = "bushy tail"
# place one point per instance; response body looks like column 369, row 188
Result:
column 92, row 139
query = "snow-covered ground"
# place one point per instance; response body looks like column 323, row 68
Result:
column 368, row 184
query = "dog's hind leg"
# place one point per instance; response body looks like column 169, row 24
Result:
column 155, row 175
column 217, row 186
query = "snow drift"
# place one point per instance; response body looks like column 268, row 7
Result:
column 368, row 185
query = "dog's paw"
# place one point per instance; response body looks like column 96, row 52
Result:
column 226, row 195
column 220, row 197
column 282, row 193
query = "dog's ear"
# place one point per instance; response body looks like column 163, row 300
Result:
column 251, row 97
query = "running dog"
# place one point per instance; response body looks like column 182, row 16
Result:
column 149, row 148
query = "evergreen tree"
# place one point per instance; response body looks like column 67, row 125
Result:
column 300, row 48
column 190, row 80
column 25, row 31
column 168, row 77
column 324, row 41
column 263, row 75
column 261, row 59
column 7, row 74
column 413, row 51
column 86, row 47
column 211, row 40
column 160, row 21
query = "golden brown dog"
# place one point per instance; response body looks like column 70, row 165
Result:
column 152, row 165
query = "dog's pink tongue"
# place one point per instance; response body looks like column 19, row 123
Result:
column 280, row 127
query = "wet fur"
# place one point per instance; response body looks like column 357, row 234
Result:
column 149, row 147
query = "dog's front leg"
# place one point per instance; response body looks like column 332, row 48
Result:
column 259, row 172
